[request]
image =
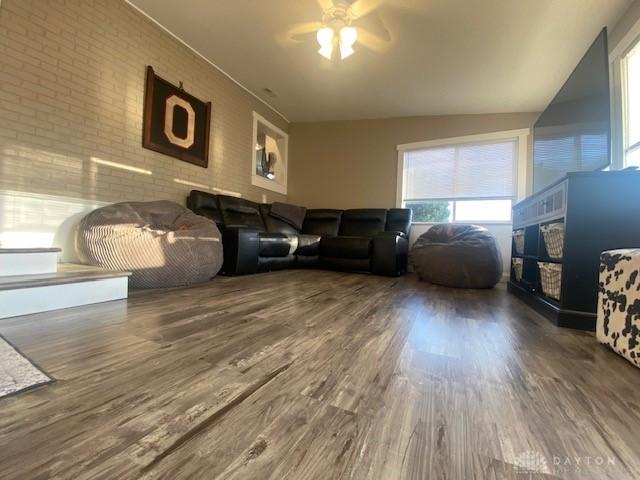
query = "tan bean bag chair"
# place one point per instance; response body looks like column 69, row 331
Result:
column 457, row 255
column 161, row 243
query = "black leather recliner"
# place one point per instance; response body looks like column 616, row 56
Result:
column 367, row 240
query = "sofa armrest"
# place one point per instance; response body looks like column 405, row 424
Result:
column 240, row 246
column 389, row 254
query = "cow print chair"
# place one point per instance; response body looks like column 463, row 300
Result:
column 618, row 324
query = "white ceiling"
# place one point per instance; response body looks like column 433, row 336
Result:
column 413, row 57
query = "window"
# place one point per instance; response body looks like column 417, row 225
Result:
column 466, row 179
column 631, row 89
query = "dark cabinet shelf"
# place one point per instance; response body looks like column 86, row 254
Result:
column 538, row 259
column 549, row 260
column 600, row 211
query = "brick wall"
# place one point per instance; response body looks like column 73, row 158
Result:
column 71, row 98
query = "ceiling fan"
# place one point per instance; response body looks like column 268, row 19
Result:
column 342, row 25
column 337, row 18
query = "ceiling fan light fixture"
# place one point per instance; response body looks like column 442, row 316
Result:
column 345, row 51
column 348, row 36
column 337, row 23
column 325, row 36
column 326, row 51
column 325, row 39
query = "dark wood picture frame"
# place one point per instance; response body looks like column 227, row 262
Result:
column 155, row 99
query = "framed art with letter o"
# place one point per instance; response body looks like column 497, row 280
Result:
column 175, row 123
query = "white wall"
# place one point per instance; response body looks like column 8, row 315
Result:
column 501, row 231
column 38, row 220
column 72, row 78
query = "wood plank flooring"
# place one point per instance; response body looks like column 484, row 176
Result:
column 316, row 374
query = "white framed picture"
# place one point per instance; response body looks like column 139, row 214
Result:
column 270, row 147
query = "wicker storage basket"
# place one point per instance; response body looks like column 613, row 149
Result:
column 516, row 264
column 550, row 278
column 553, row 235
column 518, row 241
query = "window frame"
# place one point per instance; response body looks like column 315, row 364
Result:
column 617, row 75
column 624, row 89
column 519, row 169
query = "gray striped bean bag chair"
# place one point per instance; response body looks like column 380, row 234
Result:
column 161, row 243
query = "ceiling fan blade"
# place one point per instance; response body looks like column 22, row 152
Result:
column 298, row 33
column 360, row 8
column 325, row 4
column 375, row 25
column 373, row 42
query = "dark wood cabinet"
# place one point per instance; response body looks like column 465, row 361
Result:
column 600, row 211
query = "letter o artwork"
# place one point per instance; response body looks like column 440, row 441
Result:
column 171, row 103
column 175, row 122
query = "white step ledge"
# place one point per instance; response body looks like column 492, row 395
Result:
column 72, row 286
column 28, row 261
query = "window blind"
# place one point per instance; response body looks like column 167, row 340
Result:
column 466, row 171
column 570, row 152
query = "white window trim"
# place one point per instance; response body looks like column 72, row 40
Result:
column 257, row 180
column 617, row 87
column 520, row 171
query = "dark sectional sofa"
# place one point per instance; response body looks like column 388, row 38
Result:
column 362, row 240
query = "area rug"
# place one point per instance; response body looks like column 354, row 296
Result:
column 17, row 372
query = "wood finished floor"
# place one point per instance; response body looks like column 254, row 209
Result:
column 314, row 374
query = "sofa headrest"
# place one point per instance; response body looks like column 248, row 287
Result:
column 272, row 224
column 323, row 214
column 237, row 204
column 363, row 222
column 322, row 221
column 399, row 220
column 205, row 204
column 239, row 212
column 199, row 199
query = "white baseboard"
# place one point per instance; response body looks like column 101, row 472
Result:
column 25, row 301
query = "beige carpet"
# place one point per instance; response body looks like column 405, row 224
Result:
column 17, row 372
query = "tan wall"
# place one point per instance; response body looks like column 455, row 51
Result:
column 71, row 89
column 353, row 164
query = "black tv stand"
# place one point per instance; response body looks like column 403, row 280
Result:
column 601, row 211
